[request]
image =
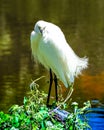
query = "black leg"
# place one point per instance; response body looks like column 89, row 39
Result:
column 50, row 86
column 55, row 80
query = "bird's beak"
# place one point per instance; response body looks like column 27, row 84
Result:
column 41, row 29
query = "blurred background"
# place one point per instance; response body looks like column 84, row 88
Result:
column 83, row 25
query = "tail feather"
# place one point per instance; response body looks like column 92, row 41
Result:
column 82, row 63
column 75, row 69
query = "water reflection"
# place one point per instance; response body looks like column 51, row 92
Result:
column 82, row 23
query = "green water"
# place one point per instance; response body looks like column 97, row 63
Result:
column 83, row 25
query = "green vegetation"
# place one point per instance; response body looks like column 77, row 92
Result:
column 34, row 115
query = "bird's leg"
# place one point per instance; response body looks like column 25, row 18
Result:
column 55, row 80
column 50, row 86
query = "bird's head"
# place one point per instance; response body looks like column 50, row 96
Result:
column 40, row 27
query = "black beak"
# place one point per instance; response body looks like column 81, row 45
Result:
column 41, row 29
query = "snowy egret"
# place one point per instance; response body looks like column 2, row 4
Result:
column 49, row 46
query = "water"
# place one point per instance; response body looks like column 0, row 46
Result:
column 83, row 25
column 95, row 118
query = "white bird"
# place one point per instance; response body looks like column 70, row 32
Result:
column 49, row 46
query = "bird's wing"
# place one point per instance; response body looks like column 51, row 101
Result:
column 51, row 55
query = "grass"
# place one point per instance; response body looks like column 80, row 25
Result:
column 35, row 115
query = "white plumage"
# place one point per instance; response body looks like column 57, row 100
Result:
column 50, row 47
